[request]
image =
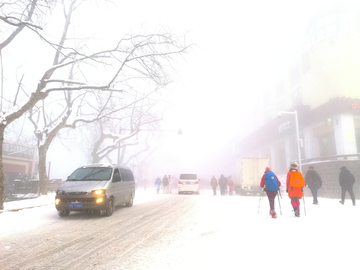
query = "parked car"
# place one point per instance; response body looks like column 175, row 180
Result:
column 96, row 188
column 188, row 182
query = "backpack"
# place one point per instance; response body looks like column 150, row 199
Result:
column 352, row 178
column 271, row 181
column 317, row 180
column 296, row 180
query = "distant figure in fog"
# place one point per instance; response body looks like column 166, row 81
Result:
column 157, row 184
column 214, row 184
column 347, row 180
column 313, row 181
column 165, row 183
column 230, row 183
column 223, row 185
column 170, row 184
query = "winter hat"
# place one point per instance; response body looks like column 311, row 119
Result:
column 294, row 165
column 267, row 169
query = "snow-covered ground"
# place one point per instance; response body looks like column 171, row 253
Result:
column 234, row 234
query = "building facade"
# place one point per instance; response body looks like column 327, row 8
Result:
column 19, row 160
column 323, row 87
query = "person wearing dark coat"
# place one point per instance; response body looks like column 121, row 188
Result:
column 214, row 184
column 223, row 184
column 346, row 180
column 313, row 181
column 165, row 183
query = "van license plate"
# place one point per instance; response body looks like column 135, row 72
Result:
column 76, row 205
column 188, row 183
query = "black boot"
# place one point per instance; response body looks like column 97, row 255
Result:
column 297, row 212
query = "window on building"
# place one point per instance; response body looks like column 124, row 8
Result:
column 333, row 25
column 327, row 145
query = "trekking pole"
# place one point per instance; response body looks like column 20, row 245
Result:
column 279, row 192
column 304, row 204
column 260, row 200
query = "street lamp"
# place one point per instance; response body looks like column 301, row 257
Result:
column 297, row 133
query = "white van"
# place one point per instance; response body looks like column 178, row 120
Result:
column 188, row 182
column 96, row 187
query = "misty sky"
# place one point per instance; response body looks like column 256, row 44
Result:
column 240, row 48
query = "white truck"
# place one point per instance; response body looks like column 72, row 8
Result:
column 248, row 173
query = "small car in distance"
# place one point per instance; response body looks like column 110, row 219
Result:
column 96, row 188
column 188, row 182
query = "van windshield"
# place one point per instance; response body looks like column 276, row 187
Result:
column 90, row 174
column 188, row 176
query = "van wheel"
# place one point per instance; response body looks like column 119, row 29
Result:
column 109, row 208
column 130, row 202
column 63, row 213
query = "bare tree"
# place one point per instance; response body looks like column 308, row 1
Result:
column 18, row 15
column 123, row 129
column 146, row 57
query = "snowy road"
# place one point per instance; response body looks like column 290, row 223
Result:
column 170, row 231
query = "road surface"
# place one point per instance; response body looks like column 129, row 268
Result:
column 170, row 231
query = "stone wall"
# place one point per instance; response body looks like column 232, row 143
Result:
column 329, row 172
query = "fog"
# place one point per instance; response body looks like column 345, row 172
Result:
column 240, row 49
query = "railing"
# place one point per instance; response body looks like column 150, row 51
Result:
column 335, row 157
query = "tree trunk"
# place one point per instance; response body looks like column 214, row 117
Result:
column 43, row 178
column 2, row 177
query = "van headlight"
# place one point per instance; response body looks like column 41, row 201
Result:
column 60, row 192
column 98, row 192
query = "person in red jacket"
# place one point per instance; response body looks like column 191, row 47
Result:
column 271, row 185
column 231, row 186
column 295, row 188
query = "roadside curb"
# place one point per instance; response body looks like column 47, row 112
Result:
column 22, row 208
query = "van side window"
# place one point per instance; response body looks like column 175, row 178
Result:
column 130, row 175
column 126, row 175
column 116, row 177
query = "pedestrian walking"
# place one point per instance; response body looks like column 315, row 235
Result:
column 230, row 184
column 271, row 184
column 295, row 187
column 170, row 184
column 214, row 184
column 313, row 181
column 165, row 183
column 157, row 184
column 347, row 180
column 223, row 185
